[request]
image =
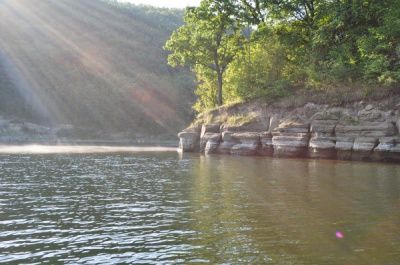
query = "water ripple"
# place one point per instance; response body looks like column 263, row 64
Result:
column 160, row 208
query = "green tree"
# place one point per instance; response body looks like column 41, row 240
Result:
column 331, row 41
column 210, row 39
column 260, row 71
column 294, row 22
column 356, row 40
column 380, row 47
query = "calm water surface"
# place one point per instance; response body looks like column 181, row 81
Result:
column 167, row 208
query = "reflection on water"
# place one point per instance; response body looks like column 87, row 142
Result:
column 169, row 208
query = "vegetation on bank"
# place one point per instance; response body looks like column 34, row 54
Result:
column 98, row 65
column 323, row 51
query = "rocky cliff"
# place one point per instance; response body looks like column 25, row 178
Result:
column 14, row 131
column 359, row 131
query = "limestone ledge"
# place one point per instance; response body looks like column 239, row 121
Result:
column 317, row 132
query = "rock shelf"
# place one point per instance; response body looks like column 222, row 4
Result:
column 368, row 133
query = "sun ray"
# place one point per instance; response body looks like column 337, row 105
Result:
column 88, row 62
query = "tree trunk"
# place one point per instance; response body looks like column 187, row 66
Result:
column 219, row 88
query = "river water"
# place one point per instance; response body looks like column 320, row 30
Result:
column 161, row 207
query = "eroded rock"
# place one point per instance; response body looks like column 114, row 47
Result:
column 248, row 143
column 361, row 132
column 190, row 139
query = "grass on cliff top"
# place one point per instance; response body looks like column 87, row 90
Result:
column 234, row 120
column 337, row 95
column 229, row 113
column 340, row 95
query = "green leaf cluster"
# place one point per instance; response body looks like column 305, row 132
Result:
column 208, row 42
column 287, row 46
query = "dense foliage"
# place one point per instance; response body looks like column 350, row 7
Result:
column 92, row 64
column 209, row 41
column 294, row 45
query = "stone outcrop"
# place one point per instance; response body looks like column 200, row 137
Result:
column 247, row 143
column 190, row 139
column 363, row 132
column 18, row 131
column 291, row 140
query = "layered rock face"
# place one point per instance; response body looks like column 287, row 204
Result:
column 361, row 133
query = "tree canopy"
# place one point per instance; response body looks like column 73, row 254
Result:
column 292, row 45
column 208, row 42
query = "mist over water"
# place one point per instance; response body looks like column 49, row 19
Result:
column 79, row 149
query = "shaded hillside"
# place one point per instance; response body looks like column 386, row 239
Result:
column 92, row 64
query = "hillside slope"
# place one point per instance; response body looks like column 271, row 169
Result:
column 92, row 64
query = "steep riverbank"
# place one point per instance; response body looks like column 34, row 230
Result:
column 360, row 131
